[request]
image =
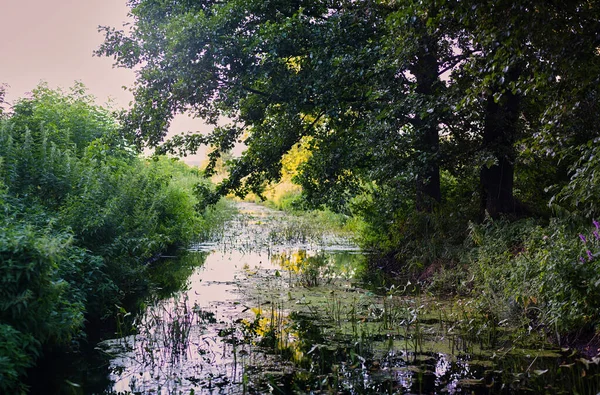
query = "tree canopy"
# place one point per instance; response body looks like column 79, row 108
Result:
column 390, row 92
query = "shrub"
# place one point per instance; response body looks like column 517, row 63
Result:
column 17, row 353
column 43, row 293
column 80, row 216
column 548, row 275
column 408, row 242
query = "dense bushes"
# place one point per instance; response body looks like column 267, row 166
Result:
column 45, row 283
column 545, row 276
column 536, row 272
column 410, row 242
column 80, row 216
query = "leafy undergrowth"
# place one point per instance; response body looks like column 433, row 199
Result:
column 535, row 277
column 545, row 277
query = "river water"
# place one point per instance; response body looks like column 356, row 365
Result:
column 274, row 305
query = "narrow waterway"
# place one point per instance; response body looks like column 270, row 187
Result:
column 274, row 305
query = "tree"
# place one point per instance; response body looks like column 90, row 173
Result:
column 527, row 56
column 362, row 79
column 348, row 74
column 69, row 121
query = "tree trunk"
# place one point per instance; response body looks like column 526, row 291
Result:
column 499, row 136
column 427, row 140
column 428, row 190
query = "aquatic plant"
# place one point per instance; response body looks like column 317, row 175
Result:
column 298, row 333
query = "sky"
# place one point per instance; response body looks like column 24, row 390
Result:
column 54, row 41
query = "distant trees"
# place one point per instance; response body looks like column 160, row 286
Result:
column 2, row 100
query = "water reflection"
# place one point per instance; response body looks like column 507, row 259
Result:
column 272, row 306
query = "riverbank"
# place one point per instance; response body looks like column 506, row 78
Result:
column 82, row 218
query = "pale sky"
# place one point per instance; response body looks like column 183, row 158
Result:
column 54, row 41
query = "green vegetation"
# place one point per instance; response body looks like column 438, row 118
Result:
column 285, row 195
column 545, row 276
column 82, row 216
column 462, row 136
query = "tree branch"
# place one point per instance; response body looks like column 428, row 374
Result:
column 455, row 60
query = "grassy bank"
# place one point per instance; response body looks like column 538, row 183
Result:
column 534, row 275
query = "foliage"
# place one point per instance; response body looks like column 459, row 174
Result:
column 17, row 353
column 81, row 216
column 581, row 193
column 68, row 121
column 285, row 194
column 285, row 74
column 46, row 282
column 545, row 276
column 363, row 81
column 411, row 243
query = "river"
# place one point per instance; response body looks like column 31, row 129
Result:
column 275, row 304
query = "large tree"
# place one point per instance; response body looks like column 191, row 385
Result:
column 362, row 80
column 528, row 68
column 354, row 76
